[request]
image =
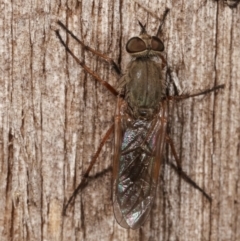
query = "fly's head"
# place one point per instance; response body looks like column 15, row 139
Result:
column 144, row 45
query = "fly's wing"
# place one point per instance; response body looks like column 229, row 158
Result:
column 137, row 159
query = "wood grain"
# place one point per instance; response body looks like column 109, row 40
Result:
column 53, row 114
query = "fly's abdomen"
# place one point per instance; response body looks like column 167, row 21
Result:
column 136, row 165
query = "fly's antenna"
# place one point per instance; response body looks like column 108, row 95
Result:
column 162, row 22
column 143, row 27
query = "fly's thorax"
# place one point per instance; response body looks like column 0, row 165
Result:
column 143, row 87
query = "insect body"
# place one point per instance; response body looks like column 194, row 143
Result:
column 140, row 129
column 140, row 124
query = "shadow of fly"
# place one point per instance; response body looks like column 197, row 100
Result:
column 139, row 128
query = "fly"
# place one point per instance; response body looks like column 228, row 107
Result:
column 139, row 128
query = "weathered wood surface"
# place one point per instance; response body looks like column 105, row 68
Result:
column 53, row 114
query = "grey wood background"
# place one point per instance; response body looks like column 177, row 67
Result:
column 53, row 115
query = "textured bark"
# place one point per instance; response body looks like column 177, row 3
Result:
column 53, row 115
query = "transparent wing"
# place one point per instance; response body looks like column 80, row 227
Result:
column 138, row 152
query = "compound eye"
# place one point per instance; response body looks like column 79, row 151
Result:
column 135, row 45
column 157, row 44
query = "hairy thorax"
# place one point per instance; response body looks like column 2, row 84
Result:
column 143, row 88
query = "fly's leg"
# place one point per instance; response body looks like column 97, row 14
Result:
column 178, row 168
column 88, row 70
column 85, row 178
column 101, row 55
column 186, row 96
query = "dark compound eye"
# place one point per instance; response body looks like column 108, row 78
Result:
column 135, row 45
column 157, row 44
